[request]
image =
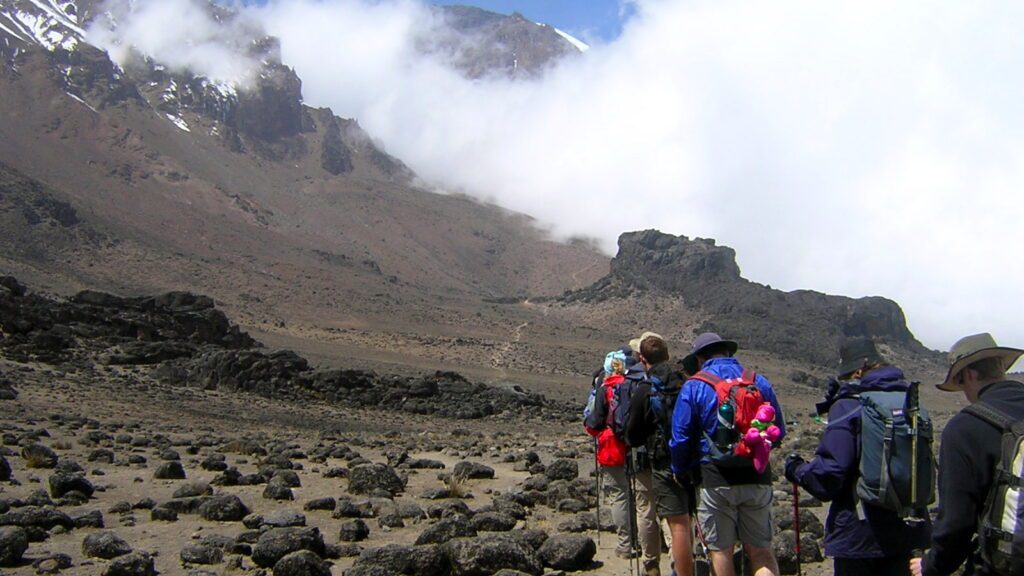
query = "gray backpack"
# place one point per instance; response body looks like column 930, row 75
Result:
column 896, row 453
column 1001, row 524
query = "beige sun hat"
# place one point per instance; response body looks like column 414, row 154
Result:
column 634, row 344
column 969, row 350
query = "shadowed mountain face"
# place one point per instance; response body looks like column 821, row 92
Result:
column 802, row 324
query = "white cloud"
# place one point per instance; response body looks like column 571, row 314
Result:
column 869, row 148
column 182, row 34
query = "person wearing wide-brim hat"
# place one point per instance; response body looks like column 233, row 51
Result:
column 970, row 451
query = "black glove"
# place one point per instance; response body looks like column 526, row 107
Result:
column 793, row 461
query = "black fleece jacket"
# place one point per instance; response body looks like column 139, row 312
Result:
column 967, row 462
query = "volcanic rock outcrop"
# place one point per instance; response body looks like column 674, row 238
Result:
column 792, row 324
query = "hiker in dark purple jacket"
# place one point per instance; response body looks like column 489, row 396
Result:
column 861, row 539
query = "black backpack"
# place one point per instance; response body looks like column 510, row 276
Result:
column 1001, row 523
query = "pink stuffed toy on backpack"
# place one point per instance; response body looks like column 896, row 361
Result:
column 761, row 435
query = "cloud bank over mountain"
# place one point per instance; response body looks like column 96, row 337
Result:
column 859, row 149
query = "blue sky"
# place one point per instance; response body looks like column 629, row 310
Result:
column 585, row 19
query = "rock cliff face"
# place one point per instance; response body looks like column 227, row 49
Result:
column 803, row 324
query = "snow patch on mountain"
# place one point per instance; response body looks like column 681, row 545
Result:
column 579, row 44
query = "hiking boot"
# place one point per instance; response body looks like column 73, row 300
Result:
column 652, row 568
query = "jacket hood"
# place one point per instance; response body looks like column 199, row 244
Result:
column 884, row 379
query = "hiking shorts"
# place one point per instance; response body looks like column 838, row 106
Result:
column 673, row 499
column 730, row 513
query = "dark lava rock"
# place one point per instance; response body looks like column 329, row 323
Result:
column 809, row 523
column 493, row 522
column 398, row 559
column 214, row 463
column 278, row 491
column 102, row 455
column 172, row 470
column 302, row 563
column 39, row 456
column 486, row 555
column 35, row 516
column 562, row 470
column 87, row 519
column 13, row 544
column 277, row 543
column 283, row 518
column 326, row 503
column 134, row 564
column 104, row 545
column 61, row 483
column 224, row 508
column 161, row 514
column 366, row 478
column 5, row 469
column 201, row 554
column 287, row 477
column 457, row 526
column 566, row 552
column 473, row 471
column 784, row 545
column 193, row 489
column 354, row 531
column 52, row 564
column 391, row 520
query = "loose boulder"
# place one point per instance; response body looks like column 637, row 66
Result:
column 367, row 478
column 302, row 563
column 224, row 508
column 562, row 470
column 13, row 544
column 104, row 545
column 398, row 559
column 568, row 552
column 134, row 564
column 277, row 543
column 473, row 471
column 486, row 555
column 61, row 483
column 354, row 531
column 172, row 470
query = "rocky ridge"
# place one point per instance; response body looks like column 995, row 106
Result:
column 802, row 324
column 188, row 342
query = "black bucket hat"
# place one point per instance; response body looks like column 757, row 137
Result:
column 856, row 353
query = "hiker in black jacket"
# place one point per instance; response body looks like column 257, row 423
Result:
column 970, row 453
column 648, row 431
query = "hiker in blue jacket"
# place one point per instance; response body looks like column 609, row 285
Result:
column 863, row 540
column 735, row 502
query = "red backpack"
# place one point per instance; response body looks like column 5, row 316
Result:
column 611, row 451
column 742, row 398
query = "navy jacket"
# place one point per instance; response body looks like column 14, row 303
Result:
column 832, row 477
column 695, row 419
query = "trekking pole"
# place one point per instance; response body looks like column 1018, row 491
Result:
column 597, row 484
column 796, row 526
column 913, row 407
column 634, row 561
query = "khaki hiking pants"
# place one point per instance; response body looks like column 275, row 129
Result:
column 616, row 489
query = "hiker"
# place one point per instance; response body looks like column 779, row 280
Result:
column 862, row 539
column 647, row 431
column 972, row 495
column 621, row 370
column 735, row 497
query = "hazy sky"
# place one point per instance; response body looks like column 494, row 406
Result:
column 868, row 148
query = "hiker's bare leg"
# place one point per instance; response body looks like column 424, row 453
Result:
column 763, row 561
column 681, row 528
column 721, row 560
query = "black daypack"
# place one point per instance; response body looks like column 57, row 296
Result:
column 1001, row 524
column 888, row 468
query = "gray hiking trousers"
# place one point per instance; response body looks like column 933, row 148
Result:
column 616, row 490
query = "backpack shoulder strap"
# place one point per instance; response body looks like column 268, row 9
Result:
column 748, row 377
column 707, row 378
column 990, row 414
